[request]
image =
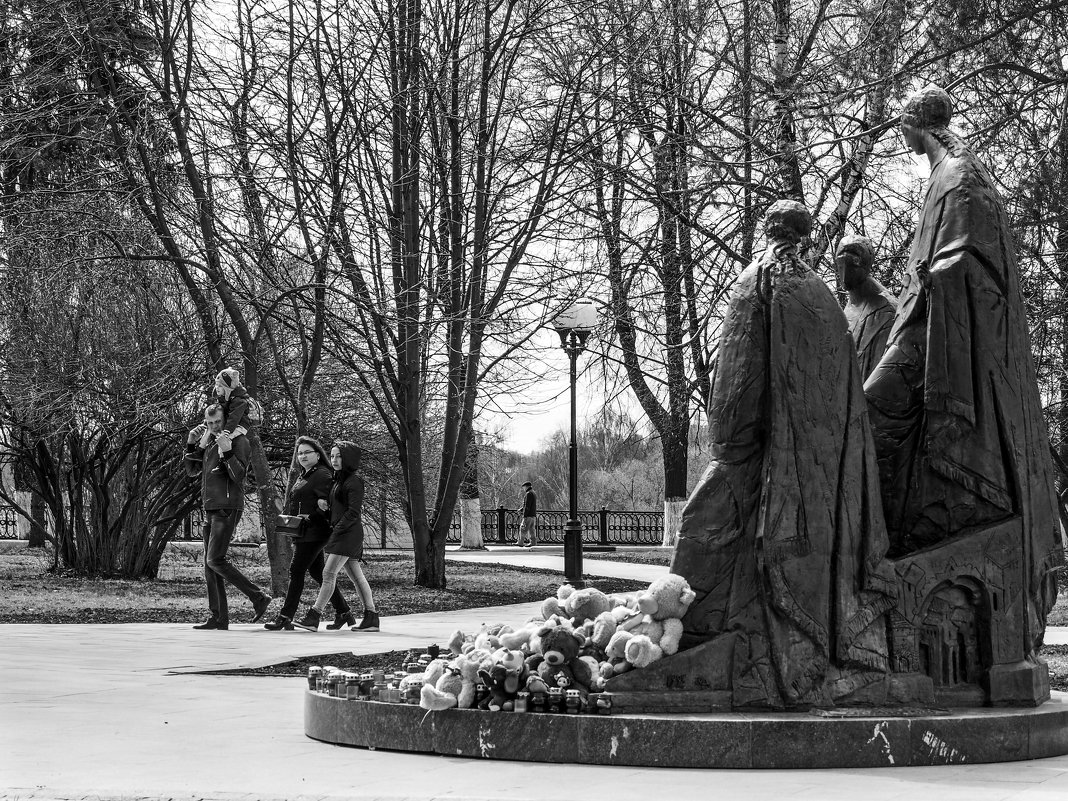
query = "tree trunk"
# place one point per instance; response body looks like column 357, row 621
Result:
column 1061, row 260
column 279, row 547
column 471, row 504
column 38, row 522
column 676, row 463
column 672, row 520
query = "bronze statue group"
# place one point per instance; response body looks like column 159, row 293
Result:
column 857, row 453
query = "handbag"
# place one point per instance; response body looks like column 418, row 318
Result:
column 290, row 525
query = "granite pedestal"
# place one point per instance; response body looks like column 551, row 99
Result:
column 713, row 740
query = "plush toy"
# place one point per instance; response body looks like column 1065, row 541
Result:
column 561, row 665
column 604, row 626
column 456, row 642
column 433, row 671
column 519, row 640
column 641, row 651
column 557, row 646
column 616, row 655
column 653, row 629
column 547, row 625
column 589, row 674
column 582, row 638
column 511, row 660
column 503, row 684
column 663, row 634
column 586, row 604
column 669, row 643
column 489, row 637
column 555, row 606
column 669, row 596
column 455, row 687
column 551, row 606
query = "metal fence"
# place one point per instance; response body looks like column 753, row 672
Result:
column 9, row 523
column 599, row 527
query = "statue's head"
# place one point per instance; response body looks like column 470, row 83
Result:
column 929, row 109
column 787, row 222
column 854, row 259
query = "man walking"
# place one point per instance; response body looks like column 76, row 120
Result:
column 223, row 496
column 528, row 530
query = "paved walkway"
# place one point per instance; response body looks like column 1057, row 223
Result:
column 550, row 557
column 111, row 711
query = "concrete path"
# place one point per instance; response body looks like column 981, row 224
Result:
column 551, row 557
column 111, row 711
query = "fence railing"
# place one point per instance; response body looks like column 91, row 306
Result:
column 599, row 527
column 9, row 523
column 499, row 526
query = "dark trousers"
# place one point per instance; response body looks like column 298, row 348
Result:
column 308, row 560
column 218, row 531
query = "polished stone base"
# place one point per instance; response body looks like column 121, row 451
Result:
column 713, row 740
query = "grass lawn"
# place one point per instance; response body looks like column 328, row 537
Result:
column 30, row 594
column 634, row 556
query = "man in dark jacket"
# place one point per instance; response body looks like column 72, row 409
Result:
column 223, row 496
column 528, row 530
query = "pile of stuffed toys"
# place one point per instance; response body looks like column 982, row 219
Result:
column 580, row 639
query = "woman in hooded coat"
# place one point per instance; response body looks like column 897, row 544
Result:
column 344, row 549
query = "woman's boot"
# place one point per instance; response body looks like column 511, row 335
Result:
column 310, row 621
column 342, row 619
column 279, row 623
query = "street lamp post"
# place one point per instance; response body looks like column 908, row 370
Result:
column 574, row 326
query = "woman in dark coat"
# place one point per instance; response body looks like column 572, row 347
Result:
column 312, row 486
column 344, row 549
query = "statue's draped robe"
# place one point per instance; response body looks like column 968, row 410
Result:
column 782, row 539
column 870, row 321
column 954, row 402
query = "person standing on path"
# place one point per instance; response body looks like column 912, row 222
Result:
column 312, row 486
column 528, row 530
column 344, row 549
column 222, row 493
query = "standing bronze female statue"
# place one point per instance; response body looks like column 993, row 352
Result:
column 954, row 402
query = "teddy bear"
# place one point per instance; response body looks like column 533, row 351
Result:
column 667, row 597
column 655, row 639
column 456, row 642
column 455, row 686
column 502, row 681
column 585, row 604
column 560, row 665
column 519, row 639
column 616, row 655
column 554, row 605
column 430, row 674
column 554, row 621
column 669, row 642
column 640, row 650
column 604, row 626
